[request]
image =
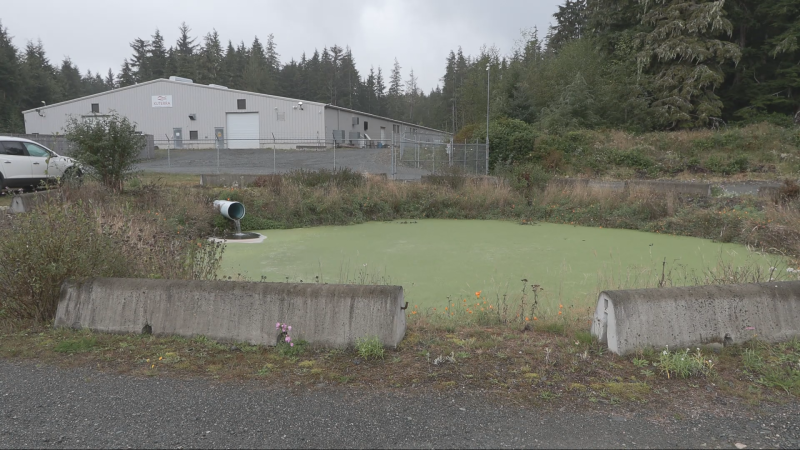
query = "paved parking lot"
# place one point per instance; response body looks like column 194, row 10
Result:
column 264, row 161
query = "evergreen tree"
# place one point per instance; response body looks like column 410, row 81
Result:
column 157, row 60
column 110, row 81
column 70, row 80
column 126, row 76
column 686, row 57
column 211, row 68
column 395, row 93
column 140, row 61
column 41, row 84
column 10, row 84
column 185, row 53
column 380, row 94
column 255, row 73
column 412, row 93
column 570, row 24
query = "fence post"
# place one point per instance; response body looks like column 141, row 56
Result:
column 394, row 174
column 476, row 157
column 487, row 156
column 273, row 152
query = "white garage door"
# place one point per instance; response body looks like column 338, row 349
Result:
column 243, row 130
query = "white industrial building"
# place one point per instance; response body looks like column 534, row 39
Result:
column 183, row 114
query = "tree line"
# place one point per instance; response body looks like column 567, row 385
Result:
column 631, row 64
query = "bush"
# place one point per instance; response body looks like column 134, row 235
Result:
column 109, row 146
column 526, row 177
column 45, row 247
column 683, row 364
column 370, row 348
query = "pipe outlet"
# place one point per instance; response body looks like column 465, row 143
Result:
column 229, row 210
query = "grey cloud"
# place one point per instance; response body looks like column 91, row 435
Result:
column 95, row 34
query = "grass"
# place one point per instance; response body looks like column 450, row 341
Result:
column 370, row 348
column 513, row 363
column 517, row 352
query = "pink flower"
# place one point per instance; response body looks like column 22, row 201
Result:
column 288, row 339
column 291, row 344
column 290, row 328
column 277, row 325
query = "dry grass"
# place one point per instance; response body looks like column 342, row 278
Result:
column 521, row 365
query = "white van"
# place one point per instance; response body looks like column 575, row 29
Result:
column 26, row 164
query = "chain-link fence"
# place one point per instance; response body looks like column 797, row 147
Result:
column 59, row 143
column 428, row 152
column 402, row 157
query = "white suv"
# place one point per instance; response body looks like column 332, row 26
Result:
column 26, row 164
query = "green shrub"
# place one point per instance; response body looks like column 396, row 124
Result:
column 634, row 158
column 510, row 141
column 109, row 145
column 43, row 248
column 370, row 348
column 526, row 177
column 684, row 364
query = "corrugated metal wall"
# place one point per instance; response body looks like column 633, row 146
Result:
column 343, row 119
column 278, row 117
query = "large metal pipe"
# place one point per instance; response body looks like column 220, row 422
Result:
column 229, row 210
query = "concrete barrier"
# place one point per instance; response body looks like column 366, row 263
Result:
column 323, row 314
column 629, row 320
column 22, row 203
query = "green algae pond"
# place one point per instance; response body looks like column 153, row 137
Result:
column 437, row 261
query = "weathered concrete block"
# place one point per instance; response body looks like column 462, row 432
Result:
column 324, row 314
column 628, row 320
column 22, row 203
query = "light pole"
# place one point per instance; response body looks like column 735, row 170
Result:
column 488, row 73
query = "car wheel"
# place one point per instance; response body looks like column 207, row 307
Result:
column 72, row 175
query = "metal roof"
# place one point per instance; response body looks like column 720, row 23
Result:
column 384, row 118
column 218, row 88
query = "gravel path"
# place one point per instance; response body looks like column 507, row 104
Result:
column 48, row 407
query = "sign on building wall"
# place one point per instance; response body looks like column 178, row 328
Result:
column 162, row 101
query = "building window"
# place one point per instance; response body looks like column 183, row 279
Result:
column 365, row 125
column 192, row 135
column 241, row 103
column 355, row 120
column 95, row 107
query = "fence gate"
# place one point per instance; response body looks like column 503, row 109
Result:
column 431, row 153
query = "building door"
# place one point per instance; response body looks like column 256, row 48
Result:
column 177, row 136
column 243, row 130
column 383, row 134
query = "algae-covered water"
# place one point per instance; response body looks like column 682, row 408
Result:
column 437, row 259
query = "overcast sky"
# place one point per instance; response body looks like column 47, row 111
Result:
column 419, row 33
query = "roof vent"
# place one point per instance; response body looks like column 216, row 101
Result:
column 218, row 86
column 180, row 79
